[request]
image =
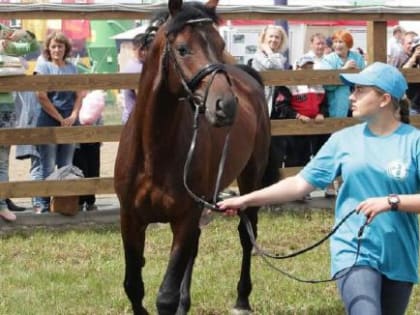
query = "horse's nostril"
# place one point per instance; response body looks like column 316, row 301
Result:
column 219, row 105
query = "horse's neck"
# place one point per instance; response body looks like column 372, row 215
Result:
column 166, row 130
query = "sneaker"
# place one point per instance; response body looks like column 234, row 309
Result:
column 92, row 207
column 330, row 193
column 7, row 215
column 307, row 197
column 12, row 206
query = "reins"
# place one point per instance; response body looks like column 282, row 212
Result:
column 265, row 255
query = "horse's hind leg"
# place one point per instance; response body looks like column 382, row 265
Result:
column 174, row 293
column 244, row 286
column 133, row 240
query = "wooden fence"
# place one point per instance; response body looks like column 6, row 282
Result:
column 376, row 18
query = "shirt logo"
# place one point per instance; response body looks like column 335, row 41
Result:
column 397, row 170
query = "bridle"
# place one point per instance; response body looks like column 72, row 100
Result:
column 199, row 107
column 191, row 85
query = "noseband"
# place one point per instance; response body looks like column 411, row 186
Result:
column 191, row 85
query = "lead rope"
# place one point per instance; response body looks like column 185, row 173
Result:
column 265, row 255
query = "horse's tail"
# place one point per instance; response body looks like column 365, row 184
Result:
column 272, row 172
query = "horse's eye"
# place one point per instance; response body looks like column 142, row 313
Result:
column 183, row 50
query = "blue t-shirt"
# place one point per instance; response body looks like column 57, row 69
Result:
column 372, row 166
column 62, row 100
column 338, row 95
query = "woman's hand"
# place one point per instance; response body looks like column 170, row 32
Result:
column 265, row 48
column 69, row 121
column 17, row 35
column 350, row 64
column 319, row 118
column 371, row 207
column 412, row 61
column 231, row 206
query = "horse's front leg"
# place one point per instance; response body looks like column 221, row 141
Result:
column 174, row 295
column 133, row 236
column 244, row 287
column 185, row 298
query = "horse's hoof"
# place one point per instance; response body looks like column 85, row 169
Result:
column 237, row 311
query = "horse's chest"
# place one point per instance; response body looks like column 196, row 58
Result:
column 152, row 194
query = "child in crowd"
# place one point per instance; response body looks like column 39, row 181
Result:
column 306, row 103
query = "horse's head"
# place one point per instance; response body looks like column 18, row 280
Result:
column 193, row 60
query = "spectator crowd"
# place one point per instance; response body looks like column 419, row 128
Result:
column 306, row 103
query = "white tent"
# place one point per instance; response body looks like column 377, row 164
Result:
column 128, row 35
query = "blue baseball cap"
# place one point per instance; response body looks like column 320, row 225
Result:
column 381, row 75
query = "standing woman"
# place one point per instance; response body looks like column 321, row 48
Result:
column 58, row 108
column 12, row 43
column 341, row 58
column 269, row 56
column 271, row 45
column 379, row 161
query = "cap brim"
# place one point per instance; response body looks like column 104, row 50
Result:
column 351, row 79
column 301, row 65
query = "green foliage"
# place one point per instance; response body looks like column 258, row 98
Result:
column 81, row 271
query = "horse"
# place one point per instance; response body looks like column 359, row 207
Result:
column 186, row 85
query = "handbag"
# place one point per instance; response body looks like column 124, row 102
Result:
column 10, row 66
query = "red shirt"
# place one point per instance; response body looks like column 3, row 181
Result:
column 306, row 100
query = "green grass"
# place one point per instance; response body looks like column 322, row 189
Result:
column 81, row 271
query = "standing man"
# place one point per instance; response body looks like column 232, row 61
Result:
column 395, row 47
column 405, row 54
column 317, row 47
column 413, row 92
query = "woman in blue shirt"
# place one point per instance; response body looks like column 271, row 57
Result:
column 341, row 58
column 58, row 108
column 379, row 161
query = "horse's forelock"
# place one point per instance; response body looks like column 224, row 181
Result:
column 190, row 11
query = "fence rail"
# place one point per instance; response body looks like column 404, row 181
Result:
column 376, row 41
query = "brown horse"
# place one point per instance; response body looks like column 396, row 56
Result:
column 186, row 84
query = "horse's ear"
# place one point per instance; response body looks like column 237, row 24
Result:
column 174, row 6
column 212, row 4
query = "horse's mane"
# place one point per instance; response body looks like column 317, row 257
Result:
column 190, row 11
column 155, row 23
column 252, row 72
